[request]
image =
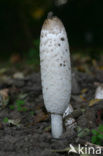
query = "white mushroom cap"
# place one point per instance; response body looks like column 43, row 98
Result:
column 55, row 66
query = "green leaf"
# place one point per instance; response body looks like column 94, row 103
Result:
column 19, row 108
column 98, row 142
column 84, row 132
column 100, row 128
column 11, row 107
column 94, row 139
column 20, row 102
column 32, row 113
column 24, row 109
column 95, row 132
column 5, row 120
column 100, row 136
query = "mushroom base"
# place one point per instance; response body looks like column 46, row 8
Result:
column 56, row 125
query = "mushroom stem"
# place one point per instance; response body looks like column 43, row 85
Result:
column 56, row 125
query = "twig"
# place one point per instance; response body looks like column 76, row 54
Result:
column 97, row 146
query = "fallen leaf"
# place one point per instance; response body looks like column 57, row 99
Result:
column 93, row 102
column 4, row 97
column 70, row 123
column 3, row 70
column 81, row 68
column 101, row 67
column 18, row 75
column 68, row 111
column 22, row 96
column 15, row 122
column 41, row 116
column 84, row 90
column 47, row 129
column 95, row 64
column 83, row 132
column 81, row 96
column 99, row 92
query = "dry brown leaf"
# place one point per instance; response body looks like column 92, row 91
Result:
column 4, row 97
column 93, row 102
column 81, row 68
column 41, row 116
column 95, row 64
column 84, row 90
column 84, row 99
column 101, row 67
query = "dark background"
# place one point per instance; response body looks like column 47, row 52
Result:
column 21, row 21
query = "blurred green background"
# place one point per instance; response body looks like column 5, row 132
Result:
column 21, row 22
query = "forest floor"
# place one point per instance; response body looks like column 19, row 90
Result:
column 24, row 122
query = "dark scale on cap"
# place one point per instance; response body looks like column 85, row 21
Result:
column 62, row 38
column 58, row 44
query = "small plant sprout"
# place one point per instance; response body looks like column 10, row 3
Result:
column 55, row 71
column 97, row 135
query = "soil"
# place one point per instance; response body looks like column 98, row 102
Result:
column 31, row 135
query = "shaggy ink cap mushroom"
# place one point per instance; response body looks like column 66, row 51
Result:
column 55, row 71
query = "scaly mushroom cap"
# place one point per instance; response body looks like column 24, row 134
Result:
column 55, row 66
